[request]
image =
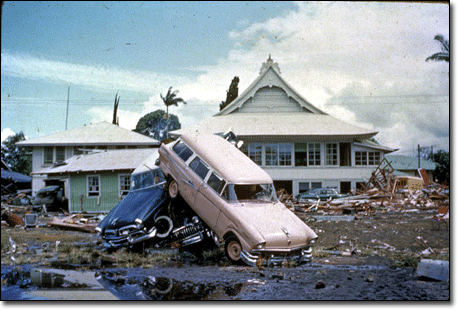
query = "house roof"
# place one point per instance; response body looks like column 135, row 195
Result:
column 401, row 162
column 122, row 159
column 276, row 124
column 269, row 76
column 103, row 133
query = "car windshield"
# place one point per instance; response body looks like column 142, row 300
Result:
column 147, row 179
column 255, row 193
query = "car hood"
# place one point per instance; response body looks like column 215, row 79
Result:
column 280, row 227
column 137, row 204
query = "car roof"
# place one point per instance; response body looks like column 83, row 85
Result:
column 231, row 163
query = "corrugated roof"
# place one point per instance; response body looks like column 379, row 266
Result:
column 103, row 133
column 123, row 159
column 278, row 124
column 401, row 162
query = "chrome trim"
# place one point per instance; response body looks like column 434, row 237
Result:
column 252, row 258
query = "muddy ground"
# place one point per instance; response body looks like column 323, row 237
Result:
column 368, row 257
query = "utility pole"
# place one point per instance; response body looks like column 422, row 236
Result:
column 68, row 99
column 418, row 156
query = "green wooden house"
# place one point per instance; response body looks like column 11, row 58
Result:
column 97, row 181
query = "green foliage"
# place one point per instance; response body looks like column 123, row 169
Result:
column 19, row 159
column 156, row 124
column 231, row 94
column 171, row 99
column 444, row 54
column 442, row 170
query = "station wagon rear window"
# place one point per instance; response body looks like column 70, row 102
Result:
column 182, row 151
column 199, row 167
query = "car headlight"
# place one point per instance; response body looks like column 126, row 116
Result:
column 138, row 223
column 261, row 245
column 312, row 241
column 125, row 232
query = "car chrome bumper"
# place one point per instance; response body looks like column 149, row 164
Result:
column 276, row 258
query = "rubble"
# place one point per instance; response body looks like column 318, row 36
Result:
column 78, row 222
column 384, row 192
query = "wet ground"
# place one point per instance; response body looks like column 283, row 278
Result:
column 370, row 257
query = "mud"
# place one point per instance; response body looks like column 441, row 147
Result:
column 371, row 257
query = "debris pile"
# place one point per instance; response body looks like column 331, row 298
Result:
column 385, row 192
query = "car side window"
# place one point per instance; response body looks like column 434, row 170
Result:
column 216, row 182
column 182, row 151
column 199, row 167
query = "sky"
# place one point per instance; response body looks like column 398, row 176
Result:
column 361, row 62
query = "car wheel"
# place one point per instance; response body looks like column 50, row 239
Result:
column 233, row 249
column 173, row 189
column 164, row 226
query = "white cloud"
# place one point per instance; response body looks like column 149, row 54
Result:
column 6, row 132
column 90, row 77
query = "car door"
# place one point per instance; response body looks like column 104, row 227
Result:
column 204, row 207
column 209, row 200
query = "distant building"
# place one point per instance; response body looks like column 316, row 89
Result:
column 408, row 166
column 49, row 151
column 298, row 145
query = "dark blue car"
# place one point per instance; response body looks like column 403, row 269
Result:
column 147, row 215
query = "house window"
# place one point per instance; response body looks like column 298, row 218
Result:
column 374, row 158
column 255, row 153
column 271, row 154
column 278, row 154
column 284, row 152
column 314, row 150
column 124, row 184
column 331, row 154
column 60, row 154
column 48, row 155
column 93, row 186
column 300, row 154
column 304, row 187
column 360, row 158
column 367, row 158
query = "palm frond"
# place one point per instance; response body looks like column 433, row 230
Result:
column 445, row 43
column 441, row 56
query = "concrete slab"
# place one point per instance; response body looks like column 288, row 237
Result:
column 434, row 269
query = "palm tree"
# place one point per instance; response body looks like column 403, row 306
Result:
column 444, row 54
column 171, row 99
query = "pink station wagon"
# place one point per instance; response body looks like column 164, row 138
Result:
column 236, row 199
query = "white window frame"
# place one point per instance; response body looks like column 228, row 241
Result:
column 255, row 154
column 330, row 155
column 120, row 184
column 309, row 154
column 87, row 186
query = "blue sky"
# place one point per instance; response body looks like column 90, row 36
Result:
column 363, row 63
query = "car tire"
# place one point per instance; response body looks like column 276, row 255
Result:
column 233, row 249
column 172, row 189
column 164, row 226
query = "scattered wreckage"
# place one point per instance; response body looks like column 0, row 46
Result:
column 236, row 199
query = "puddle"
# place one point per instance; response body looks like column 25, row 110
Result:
column 163, row 288
column 32, row 283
